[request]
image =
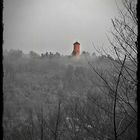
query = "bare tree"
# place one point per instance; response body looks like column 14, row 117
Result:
column 122, row 83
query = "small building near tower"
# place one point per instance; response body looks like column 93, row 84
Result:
column 76, row 49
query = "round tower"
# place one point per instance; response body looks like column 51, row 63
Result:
column 76, row 49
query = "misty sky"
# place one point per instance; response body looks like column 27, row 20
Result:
column 54, row 25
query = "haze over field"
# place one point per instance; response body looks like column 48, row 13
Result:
column 54, row 25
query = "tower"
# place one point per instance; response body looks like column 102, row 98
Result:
column 76, row 49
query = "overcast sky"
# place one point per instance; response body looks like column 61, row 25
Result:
column 54, row 25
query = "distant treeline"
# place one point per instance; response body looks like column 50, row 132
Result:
column 19, row 53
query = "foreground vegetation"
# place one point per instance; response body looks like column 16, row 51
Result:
column 61, row 98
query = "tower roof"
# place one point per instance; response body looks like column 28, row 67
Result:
column 76, row 43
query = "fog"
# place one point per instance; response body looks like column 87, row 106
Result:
column 52, row 25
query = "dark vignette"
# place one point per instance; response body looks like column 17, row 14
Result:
column 1, row 73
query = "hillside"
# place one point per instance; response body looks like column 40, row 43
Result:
column 60, row 88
